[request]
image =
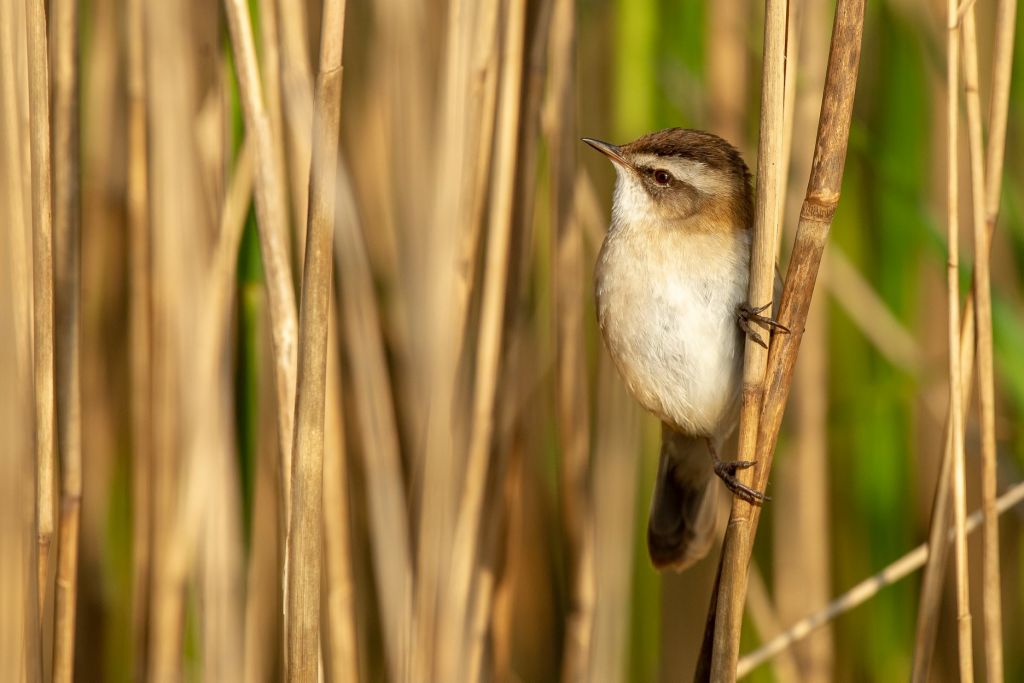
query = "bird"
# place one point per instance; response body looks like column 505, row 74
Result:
column 670, row 284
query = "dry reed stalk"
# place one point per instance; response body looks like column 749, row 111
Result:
column 616, row 441
column 573, row 404
column 175, row 201
column 762, row 273
column 931, row 586
column 140, row 334
column 728, row 24
column 67, row 238
column 956, row 411
column 454, row 633
column 378, row 432
column 296, row 84
column 19, row 218
column 264, row 654
column 304, row 536
column 271, row 221
column 19, row 628
column 21, row 253
column 340, row 650
column 801, row 521
column 868, row 588
column 304, row 543
column 484, row 99
column 794, row 24
column 812, row 232
column 270, row 73
column 212, row 532
column 42, row 282
column 22, row 646
column 991, row 608
column 436, row 360
column 1006, row 21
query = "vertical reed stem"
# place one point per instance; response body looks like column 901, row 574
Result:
column 67, row 236
column 955, row 376
column 140, row 321
column 574, row 423
column 467, row 536
column 306, row 521
column 729, row 616
column 271, row 219
column 932, row 582
column 991, row 608
column 42, row 282
column 816, row 215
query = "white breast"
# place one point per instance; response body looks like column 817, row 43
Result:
column 668, row 316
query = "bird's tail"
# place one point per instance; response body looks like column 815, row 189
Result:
column 684, row 505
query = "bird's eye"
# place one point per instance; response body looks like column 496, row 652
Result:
column 662, row 177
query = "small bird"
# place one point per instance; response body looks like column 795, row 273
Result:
column 671, row 289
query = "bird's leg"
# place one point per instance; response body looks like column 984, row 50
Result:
column 726, row 471
column 747, row 316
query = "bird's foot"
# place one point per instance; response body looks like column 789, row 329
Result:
column 747, row 316
column 726, row 471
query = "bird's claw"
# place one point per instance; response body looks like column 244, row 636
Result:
column 747, row 316
column 726, row 471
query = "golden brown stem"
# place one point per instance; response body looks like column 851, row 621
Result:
column 956, row 411
column 762, row 277
column 306, row 520
column 573, row 412
column 819, row 206
column 931, row 586
column 67, row 236
column 992, row 612
column 42, row 281
column 468, row 518
column 340, row 658
column 271, row 221
column 140, row 322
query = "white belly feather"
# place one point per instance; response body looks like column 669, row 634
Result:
column 669, row 322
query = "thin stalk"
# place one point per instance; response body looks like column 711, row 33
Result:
column 820, row 202
column 264, row 654
column 801, row 544
column 22, row 623
column 573, row 404
column 1006, row 21
column 339, row 650
column 271, row 219
column 42, row 282
column 931, row 585
column 306, row 520
column 991, row 609
column 140, row 324
column 866, row 589
column 762, row 277
column 956, row 413
column 377, row 430
column 616, row 440
column 67, row 236
column 270, row 56
column 297, row 105
column 436, row 359
column 468, row 518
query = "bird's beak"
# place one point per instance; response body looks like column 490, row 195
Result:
column 609, row 150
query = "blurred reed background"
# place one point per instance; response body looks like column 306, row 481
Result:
column 485, row 476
